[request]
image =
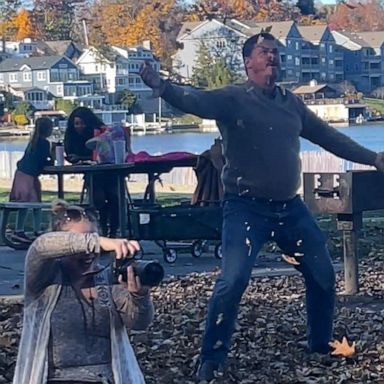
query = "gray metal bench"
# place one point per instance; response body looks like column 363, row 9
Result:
column 5, row 210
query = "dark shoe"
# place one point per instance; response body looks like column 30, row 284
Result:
column 21, row 237
column 208, row 370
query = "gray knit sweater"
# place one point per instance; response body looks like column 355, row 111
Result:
column 261, row 136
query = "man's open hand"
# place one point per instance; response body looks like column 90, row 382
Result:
column 150, row 77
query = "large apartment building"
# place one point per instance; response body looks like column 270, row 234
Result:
column 307, row 52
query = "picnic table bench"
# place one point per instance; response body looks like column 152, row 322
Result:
column 5, row 210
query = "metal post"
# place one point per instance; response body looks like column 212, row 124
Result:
column 350, row 225
column 159, row 112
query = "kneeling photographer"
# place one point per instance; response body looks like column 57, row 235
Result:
column 76, row 311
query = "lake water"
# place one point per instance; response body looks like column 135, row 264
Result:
column 371, row 136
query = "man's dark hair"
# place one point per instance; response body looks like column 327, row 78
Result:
column 253, row 40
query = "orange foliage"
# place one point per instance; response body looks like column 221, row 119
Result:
column 24, row 25
column 357, row 16
column 122, row 27
column 262, row 10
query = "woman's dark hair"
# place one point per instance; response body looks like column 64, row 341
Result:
column 253, row 40
column 90, row 120
column 43, row 129
column 63, row 213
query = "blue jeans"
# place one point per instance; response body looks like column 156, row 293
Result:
column 248, row 224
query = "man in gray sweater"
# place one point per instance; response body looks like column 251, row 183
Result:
column 261, row 125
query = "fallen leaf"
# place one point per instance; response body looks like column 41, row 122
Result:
column 343, row 348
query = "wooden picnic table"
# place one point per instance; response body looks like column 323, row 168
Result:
column 151, row 168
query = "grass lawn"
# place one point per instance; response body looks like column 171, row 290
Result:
column 164, row 199
column 377, row 104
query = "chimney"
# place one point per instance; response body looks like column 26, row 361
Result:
column 147, row 44
column 85, row 31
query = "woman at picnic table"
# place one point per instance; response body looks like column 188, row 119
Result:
column 82, row 126
column 26, row 185
column 75, row 318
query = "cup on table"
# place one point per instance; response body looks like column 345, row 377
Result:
column 59, row 153
column 119, row 151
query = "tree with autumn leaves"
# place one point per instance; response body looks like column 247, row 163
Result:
column 358, row 16
column 130, row 22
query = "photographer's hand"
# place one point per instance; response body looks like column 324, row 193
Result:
column 133, row 284
column 122, row 247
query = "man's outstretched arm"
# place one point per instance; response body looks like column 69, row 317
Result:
column 321, row 133
column 214, row 104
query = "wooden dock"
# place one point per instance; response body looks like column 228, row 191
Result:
column 14, row 132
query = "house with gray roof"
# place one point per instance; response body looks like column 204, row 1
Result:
column 226, row 39
column 66, row 48
column 221, row 39
column 42, row 78
column 363, row 58
column 117, row 69
column 321, row 58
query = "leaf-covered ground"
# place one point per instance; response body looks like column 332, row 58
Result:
column 265, row 345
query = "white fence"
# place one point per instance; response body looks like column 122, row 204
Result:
column 311, row 162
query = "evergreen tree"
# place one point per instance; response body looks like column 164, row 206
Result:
column 202, row 67
column 210, row 72
column 128, row 99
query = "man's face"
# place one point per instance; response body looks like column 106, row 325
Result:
column 264, row 60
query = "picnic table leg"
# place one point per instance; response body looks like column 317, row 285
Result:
column 350, row 225
column 90, row 190
column 151, row 187
column 122, row 206
column 60, row 186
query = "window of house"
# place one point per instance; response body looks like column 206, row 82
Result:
column 59, row 89
column 120, row 81
column 290, row 72
column 96, row 68
column 220, row 44
column 297, row 46
column 27, row 76
column 330, row 48
column 323, row 75
column 138, row 80
column 297, row 61
column 330, row 62
column 13, row 77
column 322, row 45
column 323, row 59
column 289, row 57
column 41, row 75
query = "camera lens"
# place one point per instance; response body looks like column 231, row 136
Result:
column 150, row 274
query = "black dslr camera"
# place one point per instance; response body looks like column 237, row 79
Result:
column 150, row 273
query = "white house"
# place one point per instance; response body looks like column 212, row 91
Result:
column 220, row 38
column 118, row 70
column 23, row 48
column 109, row 72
